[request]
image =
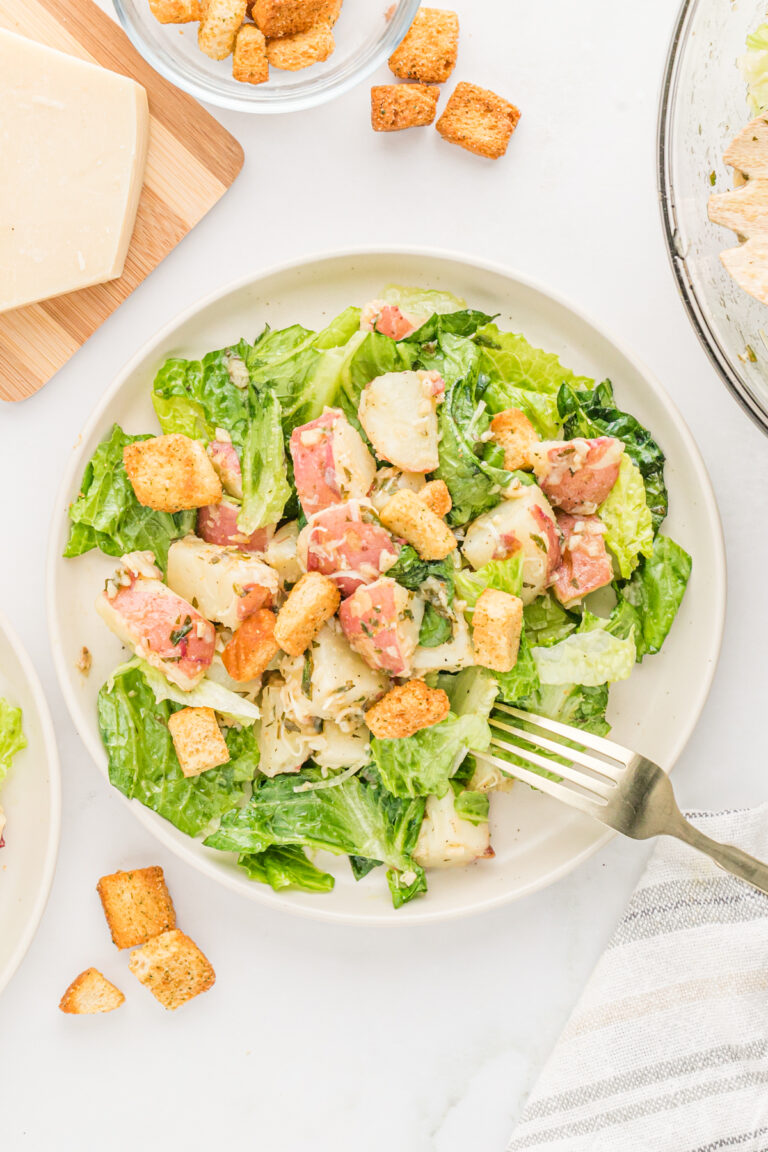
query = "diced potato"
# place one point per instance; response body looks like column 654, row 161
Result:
column 399, row 414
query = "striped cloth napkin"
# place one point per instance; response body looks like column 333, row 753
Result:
column 667, row 1049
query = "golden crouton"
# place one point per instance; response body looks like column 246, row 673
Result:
column 496, row 627
column 478, row 120
column 171, row 473
column 217, row 31
column 177, row 11
column 198, row 740
column 137, row 905
column 252, row 648
column 437, row 498
column 398, row 106
column 249, row 62
column 302, row 49
column 513, row 431
column 173, row 968
column 406, row 709
column 428, row 52
column 286, row 17
column 89, row 993
column 310, row 603
column 404, row 514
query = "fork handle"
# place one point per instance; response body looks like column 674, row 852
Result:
column 726, row 856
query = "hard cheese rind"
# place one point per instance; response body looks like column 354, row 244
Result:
column 73, row 141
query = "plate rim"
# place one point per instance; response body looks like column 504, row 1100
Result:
column 71, row 476
column 53, row 763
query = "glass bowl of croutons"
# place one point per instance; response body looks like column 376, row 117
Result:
column 266, row 55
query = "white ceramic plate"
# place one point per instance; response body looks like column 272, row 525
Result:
column 31, row 797
column 536, row 840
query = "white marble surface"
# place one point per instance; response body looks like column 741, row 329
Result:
column 341, row 1040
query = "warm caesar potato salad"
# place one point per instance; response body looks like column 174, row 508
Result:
column 343, row 548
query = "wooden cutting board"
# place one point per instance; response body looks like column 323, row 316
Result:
column 192, row 161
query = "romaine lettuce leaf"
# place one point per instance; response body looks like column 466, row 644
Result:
column 595, row 413
column 523, row 680
column 508, row 358
column 471, row 692
column 108, row 516
column 285, row 866
column 540, row 407
column 423, row 764
column 207, row 694
column 547, row 622
column 12, row 738
column 421, row 301
column 591, row 656
column 468, row 466
column 143, row 764
column 656, row 591
column 266, row 489
column 503, row 575
column 195, row 397
column 462, row 323
column 472, row 806
column 356, row 818
column 627, row 518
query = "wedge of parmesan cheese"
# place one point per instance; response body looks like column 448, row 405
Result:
column 73, row 141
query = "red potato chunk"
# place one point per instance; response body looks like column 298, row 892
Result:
column 160, row 627
column 330, row 462
column 381, row 621
column 224, row 457
column 217, row 524
column 399, row 414
column 585, row 564
column 577, row 475
column 347, row 543
column 228, row 585
column 523, row 521
column 389, row 320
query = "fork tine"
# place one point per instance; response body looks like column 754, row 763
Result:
column 567, row 771
column 609, row 771
column 544, row 784
column 588, row 739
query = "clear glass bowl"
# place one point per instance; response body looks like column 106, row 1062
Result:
column 366, row 34
column 703, row 105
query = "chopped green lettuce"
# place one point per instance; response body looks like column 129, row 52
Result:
column 355, row 818
column 143, row 764
column 285, row 866
column 195, row 397
column 467, row 464
column 12, row 739
column 754, row 69
column 266, row 489
column 421, row 301
column 547, row 622
column 508, row 358
column 470, row 692
column 423, row 764
column 523, row 678
column 503, row 575
column 627, row 518
column 655, row 593
column 207, row 694
column 108, row 516
column 472, row 806
column 591, row 656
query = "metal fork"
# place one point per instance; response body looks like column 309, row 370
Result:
column 612, row 784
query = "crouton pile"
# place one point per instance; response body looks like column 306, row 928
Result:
column 474, row 118
column 287, row 34
column 140, row 915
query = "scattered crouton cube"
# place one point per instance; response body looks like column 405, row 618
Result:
column 398, row 106
column 249, row 61
column 428, row 52
column 478, row 120
column 171, row 473
column 219, row 26
column 437, row 498
column 197, row 739
column 177, row 11
column 310, row 603
column 252, row 647
column 406, row 709
column 90, row 993
column 404, row 514
column 287, row 17
column 302, row 49
column 173, row 968
column 513, row 431
column 137, row 905
column 496, row 627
